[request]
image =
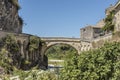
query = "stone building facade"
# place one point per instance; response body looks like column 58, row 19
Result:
column 94, row 36
column 117, row 16
column 90, row 32
column 9, row 18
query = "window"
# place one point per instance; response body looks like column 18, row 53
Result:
column 84, row 30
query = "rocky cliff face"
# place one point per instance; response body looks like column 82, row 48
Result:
column 25, row 51
column 9, row 19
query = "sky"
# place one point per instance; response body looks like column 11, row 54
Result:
column 61, row 18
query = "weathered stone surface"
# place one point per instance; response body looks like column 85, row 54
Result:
column 74, row 42
column 90, row 32
column 116, row 20
column 24, row 58
column 9, row 18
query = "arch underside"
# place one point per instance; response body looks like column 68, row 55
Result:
column 76, row 46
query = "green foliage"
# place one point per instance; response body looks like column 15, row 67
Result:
column 60, row 51
column 5, row 61
column 8, row 50
column 11, row 59
column 10, row 43
column 46, row 75
column 33, row 47
column 34, row 43
column 4, row 77
column 109, row 26
column 100, row 64
column 70, row 71
column 32, row 75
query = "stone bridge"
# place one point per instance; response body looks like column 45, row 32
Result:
column 73, row 42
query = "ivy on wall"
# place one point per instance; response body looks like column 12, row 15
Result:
column 34, row 43
column 109, row 25
column 9, row 53
column 16, row 57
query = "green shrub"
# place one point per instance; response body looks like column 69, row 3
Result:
column 109, row 26
column 99, row 64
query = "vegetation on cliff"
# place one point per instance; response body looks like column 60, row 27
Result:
column 109, row 25
column 15, row 3
column 9, row 51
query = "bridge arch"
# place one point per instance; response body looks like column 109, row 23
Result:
column 73, row 42
column 76, row 46
column 61, row 43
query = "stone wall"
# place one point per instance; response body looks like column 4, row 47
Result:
column 86, row 33
column 94, row 34
column 85, row 46
column 90, row 32
column 117, row 18
column 109, row 9
column 100, row 24
column 29, row 52
column 9, row 18
column 101, row 40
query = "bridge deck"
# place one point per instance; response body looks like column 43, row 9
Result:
column 49, row 39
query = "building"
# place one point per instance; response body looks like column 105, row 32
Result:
column 90, row 32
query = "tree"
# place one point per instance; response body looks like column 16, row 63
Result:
column 60, row 51
column 99, row 64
